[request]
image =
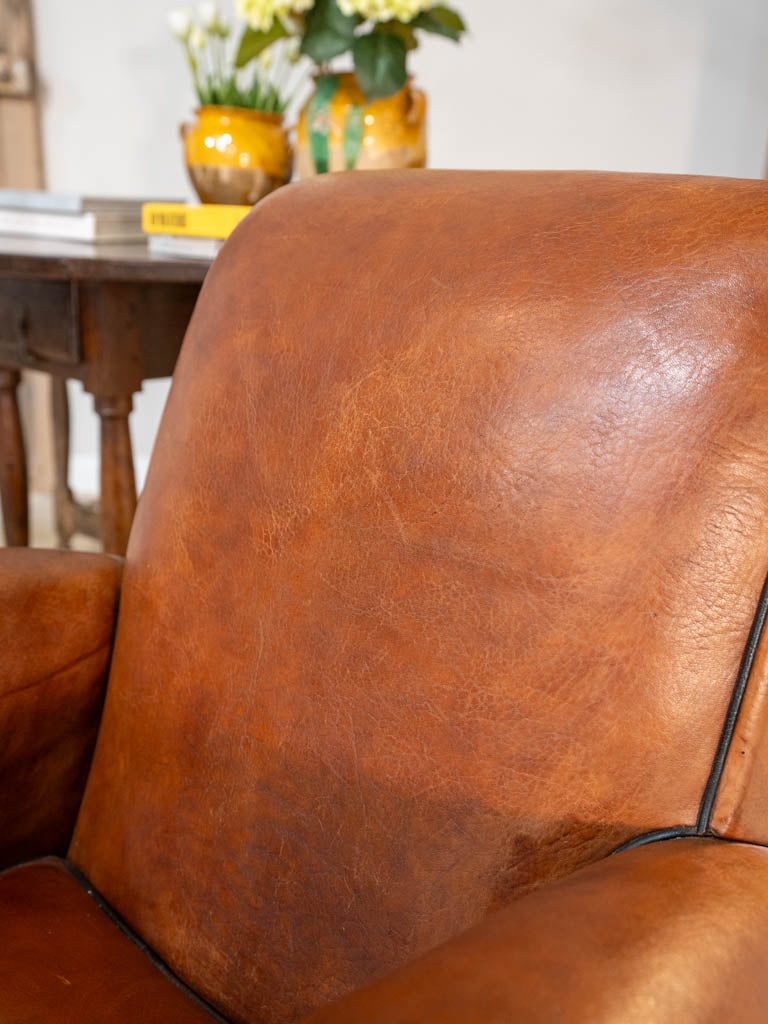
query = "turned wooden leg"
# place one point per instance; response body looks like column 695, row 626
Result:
column 118, row 483
column 65, row 510
column 13, row 463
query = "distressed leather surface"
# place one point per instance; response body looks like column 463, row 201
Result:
column 662, row 934
column 62, row 961
column 447, row 557
column 57, row 619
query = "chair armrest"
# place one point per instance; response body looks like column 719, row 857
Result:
column 676, row 931
column 57, row 621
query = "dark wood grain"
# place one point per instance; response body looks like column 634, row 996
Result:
column 44, row 258
column 13, row 466
column 111, row 316
column 118, row 483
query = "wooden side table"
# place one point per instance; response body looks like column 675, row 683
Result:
column 111, row 316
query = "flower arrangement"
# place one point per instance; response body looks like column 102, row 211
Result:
column 268, row 85
column 379, row 34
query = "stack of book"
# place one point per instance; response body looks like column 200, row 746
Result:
column 36, row 214
column 190, row 232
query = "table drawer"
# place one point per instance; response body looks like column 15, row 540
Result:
column 37, row 323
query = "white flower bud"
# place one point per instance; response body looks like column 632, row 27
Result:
column 197, row 38
column 210, row 16
column 180, row 24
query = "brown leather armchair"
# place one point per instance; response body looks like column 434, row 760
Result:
column 445, row 586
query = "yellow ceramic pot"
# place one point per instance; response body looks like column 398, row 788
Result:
column 338, row 130
column 236, row 155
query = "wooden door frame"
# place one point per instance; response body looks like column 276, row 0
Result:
column 21, row 166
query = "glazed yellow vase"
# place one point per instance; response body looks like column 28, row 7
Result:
column 236, row 156
column 338, row 130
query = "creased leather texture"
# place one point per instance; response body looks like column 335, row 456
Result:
column 64, row 961
column 667, row 933
column 57, row 619
column 444, row 568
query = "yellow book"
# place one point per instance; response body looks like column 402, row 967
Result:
column 210, row 220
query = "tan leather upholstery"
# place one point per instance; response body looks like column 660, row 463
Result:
column 57, row 619
column 62, row 961
column 668, row 933
column 444, row 569
column 441, row 582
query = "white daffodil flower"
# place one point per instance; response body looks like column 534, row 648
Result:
column 197, row 38
column 210, row 15
column 212, row 20
column 180, row 24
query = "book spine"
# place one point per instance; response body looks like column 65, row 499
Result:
column 206, row 221
column 40, row 202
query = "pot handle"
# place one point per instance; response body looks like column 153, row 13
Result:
column 417, row 107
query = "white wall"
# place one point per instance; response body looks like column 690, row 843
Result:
column 652, row 85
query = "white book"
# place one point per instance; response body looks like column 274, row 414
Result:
column 186, row 247
column 56, row 202
column 73, row 227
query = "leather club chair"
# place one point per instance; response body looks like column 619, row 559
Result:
column 444, row 587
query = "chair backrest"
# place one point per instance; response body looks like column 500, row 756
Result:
column 440, row 583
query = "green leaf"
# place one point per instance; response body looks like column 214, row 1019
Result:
column 354, row 130
column 319, row 122
column 207, row 93
column 380, row 64
column 328, row 32
column 442, row 21
column 401, row 30
column 230, row 94
column 254, row 43
column 254, row 97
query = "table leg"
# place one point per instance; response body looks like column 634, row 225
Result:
column 65, row 511
column 118, row 483
column 13, row 463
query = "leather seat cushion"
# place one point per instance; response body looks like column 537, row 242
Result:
column 64, row 961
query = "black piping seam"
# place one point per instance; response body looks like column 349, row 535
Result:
column 153, row 958
column 659, row 835
column 702, row 828
column 729, row 727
